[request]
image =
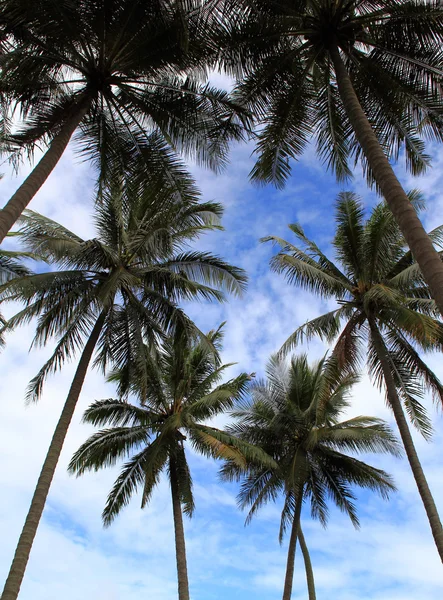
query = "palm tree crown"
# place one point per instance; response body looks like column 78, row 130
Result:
column 124, row 74
column 383, row 304
column 177, row 392
column 374, row 280
column 294, row 416
column 132, row 274
column 285, row 52
column 128, row 61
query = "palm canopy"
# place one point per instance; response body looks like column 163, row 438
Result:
column 131, row 275
column 133, row 67
column 294, row 416
column 286, row 54
column 11, row 266
column 376, row 282
column 177, row 391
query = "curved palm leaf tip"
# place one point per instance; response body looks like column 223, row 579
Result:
column 362, row 77
column 383, row 304
column 177, row 389
column 126, row 75
column 294, row 416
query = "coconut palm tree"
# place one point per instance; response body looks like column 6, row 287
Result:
column 383, row 305
column 110, row 294
column 363, row 77
column 177, row 391
column 294, row 416
column 123, row 75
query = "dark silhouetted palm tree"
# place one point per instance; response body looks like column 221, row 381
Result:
column 124, row 75
column 178, row 390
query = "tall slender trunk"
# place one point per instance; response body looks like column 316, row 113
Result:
column 405, row 434
column 18, row 567
column 39, row 174
column 180, row 547
column 289, row 577
column 308, row 565
column 416, row 237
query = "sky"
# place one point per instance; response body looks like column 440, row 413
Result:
column 391, row 557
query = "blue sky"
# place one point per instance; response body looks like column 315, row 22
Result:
column 390, row 557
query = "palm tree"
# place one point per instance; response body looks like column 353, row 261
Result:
column 111, row 293
column 293, row 416
column 177, row 393
column 383, row 303
column 362, row 76
column 124, row 75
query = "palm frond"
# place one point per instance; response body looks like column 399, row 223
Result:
column 210, row 270
column 299, row 269
column 106, row 447
column 117, row 413
column 326, row 327
column 360, row 434
column 218, row 444
column 220, row 399
column 132, row 476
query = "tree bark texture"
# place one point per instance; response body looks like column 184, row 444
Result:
column 415, row 235
column 18, row 567
column 289, row 577
column 39, row 174
column 180, row 547
column 408, row 443
column 308, row 565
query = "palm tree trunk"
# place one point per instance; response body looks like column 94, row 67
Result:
column 416, row 237
column 289, row 577
column 180, row 547
column 39, row 174
column 308, row 565
column 405, row 434
column 17, row 570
